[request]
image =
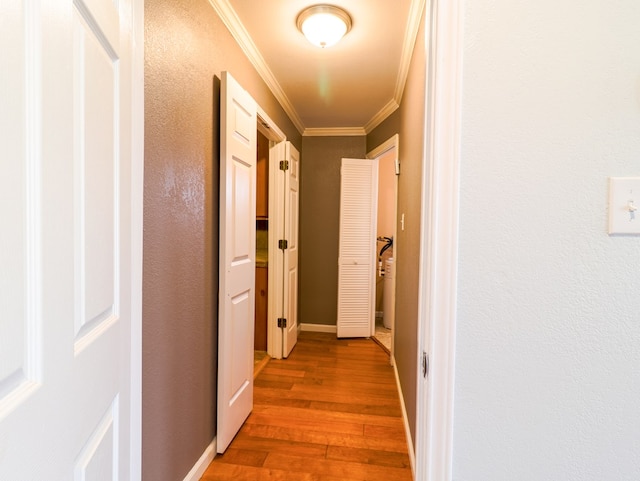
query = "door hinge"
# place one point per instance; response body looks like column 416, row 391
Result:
column 282, row 322
column 284, row 165
column 283, row 244
column 425, row 364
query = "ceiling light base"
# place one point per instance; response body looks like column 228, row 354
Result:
column 324, row 25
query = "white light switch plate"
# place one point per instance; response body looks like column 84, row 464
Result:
column 624, row 205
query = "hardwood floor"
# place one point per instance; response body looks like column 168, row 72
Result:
column 330, row 412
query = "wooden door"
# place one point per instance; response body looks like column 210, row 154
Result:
column 262, row 183
column 237, row 258
column 356, row 261
column 66, row 248
column 290, row 268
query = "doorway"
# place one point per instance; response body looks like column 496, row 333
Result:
column 261, row 357
column 386, row 156
column 277, row 236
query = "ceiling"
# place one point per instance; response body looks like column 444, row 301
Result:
column 347, row 89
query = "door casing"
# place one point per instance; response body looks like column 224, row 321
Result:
column 391, row 144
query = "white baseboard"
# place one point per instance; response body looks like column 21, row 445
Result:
column 405, row 419
column 318, row 328
column 203, row 463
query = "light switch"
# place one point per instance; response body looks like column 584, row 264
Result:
column 624, row 205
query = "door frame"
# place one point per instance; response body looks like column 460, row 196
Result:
column 276, row 138
column 439, row 239
column 137, row 222
column 391, row 143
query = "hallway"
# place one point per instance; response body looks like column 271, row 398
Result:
column 330, row 412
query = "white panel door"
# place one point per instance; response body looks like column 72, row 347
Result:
column 291, row 221
column 238, row 162
column 66, row 248
column 356, row 261
column 277, row 153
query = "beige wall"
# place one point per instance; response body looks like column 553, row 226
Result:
column 320, row 222
column 547, row 380
column 384, row 131
column 408, row 121
column 186, row 48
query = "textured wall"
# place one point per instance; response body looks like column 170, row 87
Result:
column 186, row 48
column 180, row 241
column 320, row 224
column 547, row 368
column 407, row 249
column 408, row 121
column 384, row 131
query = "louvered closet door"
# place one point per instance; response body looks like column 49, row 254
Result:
column 356, row 261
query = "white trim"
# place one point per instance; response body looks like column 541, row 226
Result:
column 410, row 37
column 319, row 328
column 230, row 18
column 383, row 113
column 439, row 240
column 387, row 145
column 137, row 188
column 335, row 132
column 203, row 463
column 268, row 127
column 276, row 138
column 405, row 420
column 391, row 143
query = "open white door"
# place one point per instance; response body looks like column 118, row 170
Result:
column 237, row 258
column 66, row 248
column 276, row 255
column 291, row 221
column 357, row 252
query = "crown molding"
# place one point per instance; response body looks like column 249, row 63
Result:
column 230, row 18
column 382, row 115
column 335, row 132
column 410, row 36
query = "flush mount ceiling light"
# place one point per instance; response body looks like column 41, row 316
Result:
column 324, row 25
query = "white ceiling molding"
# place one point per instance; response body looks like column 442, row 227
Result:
column 381, row 116
column 335, row 132
column 230, row 18
column 228, row 15
column 410, row 36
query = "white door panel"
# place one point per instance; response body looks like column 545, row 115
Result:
column 95, row 184
column 356, row 262
column 291, row 221
column 237, row 258
column 66, row 239
column 276, row 255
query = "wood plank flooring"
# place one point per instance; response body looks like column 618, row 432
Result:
column 330, row 412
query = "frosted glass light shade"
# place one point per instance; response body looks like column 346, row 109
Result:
column 324, row 25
